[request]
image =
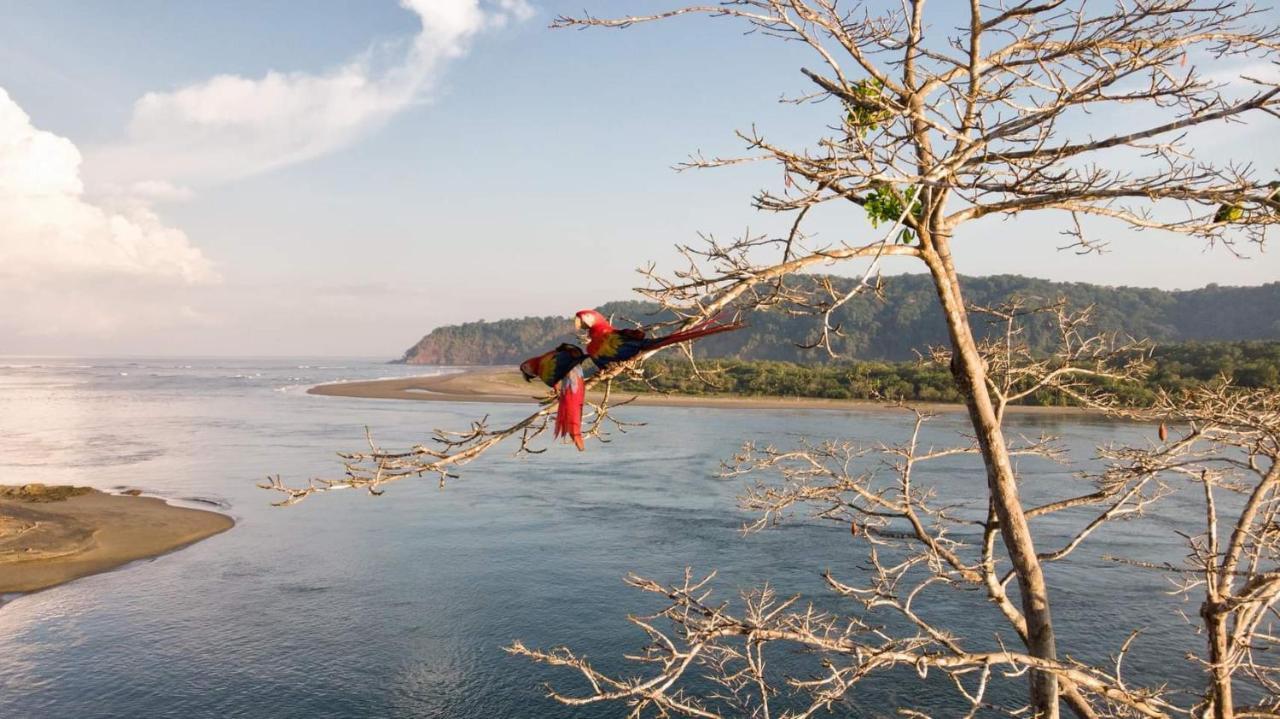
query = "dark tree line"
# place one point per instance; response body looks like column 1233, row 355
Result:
column 1174, row 368
column 899, row 322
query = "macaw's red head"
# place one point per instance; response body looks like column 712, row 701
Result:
column 586, row 319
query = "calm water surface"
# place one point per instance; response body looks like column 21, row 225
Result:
column 398, row 606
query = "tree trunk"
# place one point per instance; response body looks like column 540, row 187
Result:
column 971, row 378
column 1215, row 621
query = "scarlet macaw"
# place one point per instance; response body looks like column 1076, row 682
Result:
column 609, row 345
column 560, row 370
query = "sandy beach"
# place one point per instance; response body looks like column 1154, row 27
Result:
column 504, row 384
column 51, row 535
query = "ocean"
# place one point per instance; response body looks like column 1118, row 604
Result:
column 350, row 605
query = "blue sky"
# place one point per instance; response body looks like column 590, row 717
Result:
column 386, row 179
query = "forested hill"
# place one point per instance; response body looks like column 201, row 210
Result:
column 907, row 319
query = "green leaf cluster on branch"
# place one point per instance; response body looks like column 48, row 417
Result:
column 864, row 108
column 886, row 204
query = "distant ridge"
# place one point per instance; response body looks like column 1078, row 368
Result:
column 905, row 321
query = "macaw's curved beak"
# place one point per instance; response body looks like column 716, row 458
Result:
column 577, row 323
column 527, row 372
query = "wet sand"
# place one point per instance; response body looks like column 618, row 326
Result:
column 51, row 535
column 504, row 384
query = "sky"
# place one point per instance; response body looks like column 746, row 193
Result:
column 338, row 177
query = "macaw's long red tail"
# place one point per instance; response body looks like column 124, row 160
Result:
column 572, row 392
column 694, row 333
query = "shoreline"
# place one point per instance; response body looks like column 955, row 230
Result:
column 504, row 385
column 53, row 535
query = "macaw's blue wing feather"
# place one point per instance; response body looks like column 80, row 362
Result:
column 567, row 361
column 617, row 348
column 551, row 367
column 622, row 345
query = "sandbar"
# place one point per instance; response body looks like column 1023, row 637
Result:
column 504, row 384
column 50, row 535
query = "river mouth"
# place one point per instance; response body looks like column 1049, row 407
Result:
column 414, row 593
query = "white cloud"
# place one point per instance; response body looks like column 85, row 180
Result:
column 231, row 126
column 64, row 259
column 97, row 268
column 158, row 191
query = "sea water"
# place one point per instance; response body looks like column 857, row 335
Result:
column 349, row 605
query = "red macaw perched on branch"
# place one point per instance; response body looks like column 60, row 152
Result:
column 609, row 345
column 560, row 370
